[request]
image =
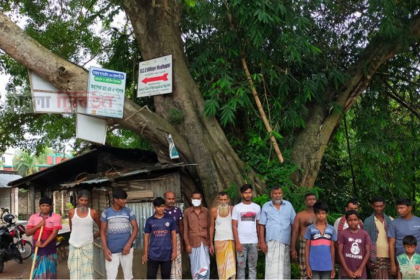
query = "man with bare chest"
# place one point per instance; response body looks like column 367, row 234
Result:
column 302, row 221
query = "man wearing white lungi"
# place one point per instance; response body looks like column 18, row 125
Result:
column 275, row 231
column 81, row 220
column 197, row 238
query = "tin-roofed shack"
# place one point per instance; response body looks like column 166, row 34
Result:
column 8, row 195
column 99, row 171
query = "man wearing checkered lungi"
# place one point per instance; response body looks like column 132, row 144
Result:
column 376, row 226
column 302, row 221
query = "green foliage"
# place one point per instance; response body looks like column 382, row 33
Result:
column 176, row 116
column 233, row 192
column 124, row 138
column 24, row 163
column 384, row 143
column 69, row 206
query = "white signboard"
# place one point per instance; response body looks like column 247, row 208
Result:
column 91, row 129
column 106, row 92
column 46, row 98
column 47, row 102
column 155, row 76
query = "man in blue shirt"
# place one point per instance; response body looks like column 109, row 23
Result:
column 405, row 224
column 275, row 231
column 159, row 241
column 118, row 232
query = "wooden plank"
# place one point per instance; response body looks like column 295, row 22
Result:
column 133, row 195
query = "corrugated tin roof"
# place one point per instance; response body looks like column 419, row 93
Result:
column 6, row 178
column 123, row 175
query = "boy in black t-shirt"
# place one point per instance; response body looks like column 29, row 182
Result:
column 159, row 241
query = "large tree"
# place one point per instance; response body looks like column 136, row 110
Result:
column 316, row 57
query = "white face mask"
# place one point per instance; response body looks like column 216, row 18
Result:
column 196, row 202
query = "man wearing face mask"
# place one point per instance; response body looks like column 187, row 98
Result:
column 196, row 237
column 221, row 222
column 275, row 231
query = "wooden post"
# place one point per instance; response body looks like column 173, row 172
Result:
column 32, row 199
column 35, row 254
column 255, row 94
column 62, row 204
column 54, row 203
column 260, row 108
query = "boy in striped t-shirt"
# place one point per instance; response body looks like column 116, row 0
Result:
column 319, row 251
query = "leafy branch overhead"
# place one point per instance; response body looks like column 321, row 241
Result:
column 310, row 62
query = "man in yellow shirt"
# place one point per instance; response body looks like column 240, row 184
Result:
column 376, row 226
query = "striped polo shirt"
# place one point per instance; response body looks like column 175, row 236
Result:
column 319, row 253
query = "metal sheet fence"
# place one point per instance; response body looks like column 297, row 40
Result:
column 143, row 211
column 99, row 260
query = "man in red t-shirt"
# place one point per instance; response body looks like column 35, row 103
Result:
column 46, row 259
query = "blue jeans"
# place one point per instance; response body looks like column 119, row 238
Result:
column 321, row 274
column 250, row 252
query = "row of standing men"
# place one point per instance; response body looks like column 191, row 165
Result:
column 238, row 233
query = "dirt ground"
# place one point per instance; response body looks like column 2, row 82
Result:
column 13, row 270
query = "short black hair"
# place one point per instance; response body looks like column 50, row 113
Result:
column 352, row 201
column 403, row 201
column 83, row 193
column 276, row 188
column 310, row 194
column 245, row 187
column 197, row 192
column 45, row 200
column 409, row 240
column 352, row 212
column 320, row 205
column 119, row 193
column 223, row 193
column 158, row 201
column 378, row 199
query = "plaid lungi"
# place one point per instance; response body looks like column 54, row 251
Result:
column 80, row 262
column 302, row 264
column 381, row 269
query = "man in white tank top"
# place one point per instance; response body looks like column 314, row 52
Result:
column 82, row 220
column 221, row 222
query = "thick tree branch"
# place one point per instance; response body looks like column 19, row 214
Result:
column 394, row 95
column 69, row 77
column 322, row 122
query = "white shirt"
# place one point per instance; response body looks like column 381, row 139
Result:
column 247, row 216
